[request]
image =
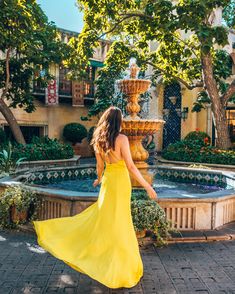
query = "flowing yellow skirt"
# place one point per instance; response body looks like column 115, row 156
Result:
column 100, row 241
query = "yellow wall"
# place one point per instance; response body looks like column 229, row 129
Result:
column 195, row 120
column 54, row 117
column 191, row 123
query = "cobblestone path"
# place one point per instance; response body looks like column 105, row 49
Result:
column 182, row 268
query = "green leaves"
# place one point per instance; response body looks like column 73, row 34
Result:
column 34, row 44
column 229, row 14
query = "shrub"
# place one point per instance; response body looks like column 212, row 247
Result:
column 189, row 152
column 148, row 215
column 90, row 134
column 7, row 163
column 43, row 149
column 74, row 132
column 22, row 199
column 3, row 137
column 198, row 138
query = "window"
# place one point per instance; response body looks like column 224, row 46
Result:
column 28, row 131
column 89, row 90
column 231, row 123
column 38, row 85
column 65, row 85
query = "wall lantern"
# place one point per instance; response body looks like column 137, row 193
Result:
column 173, row 99
column 184, row 113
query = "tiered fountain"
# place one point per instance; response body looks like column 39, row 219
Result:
column 133, row 126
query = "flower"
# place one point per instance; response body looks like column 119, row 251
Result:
column 206, row 140
column 197, row 129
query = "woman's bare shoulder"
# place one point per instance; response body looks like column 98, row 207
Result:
column 122, row 138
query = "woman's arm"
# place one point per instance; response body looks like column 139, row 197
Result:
column 99, row 168
column 126, row 154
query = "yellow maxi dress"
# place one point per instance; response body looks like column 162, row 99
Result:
column 100, row 241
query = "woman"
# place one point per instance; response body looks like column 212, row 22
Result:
column 101, row 241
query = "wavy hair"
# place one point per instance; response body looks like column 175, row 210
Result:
column 107, row 130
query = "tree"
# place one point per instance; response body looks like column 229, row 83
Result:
column 229, row 14
column 187, row 41
column 28, row 43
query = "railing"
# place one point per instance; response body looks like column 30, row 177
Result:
column 89, row 89
column 65, row 88
column 38, row 88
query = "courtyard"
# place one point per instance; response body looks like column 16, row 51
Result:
column 184, row 268
column 74, row 76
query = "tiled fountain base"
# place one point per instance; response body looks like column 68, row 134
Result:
column 196, row 213
column 186, row 214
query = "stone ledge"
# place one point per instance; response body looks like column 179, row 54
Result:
column 177, row 163
column 226, row 232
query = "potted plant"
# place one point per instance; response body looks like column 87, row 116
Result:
column 147, row 215
column 15, row 205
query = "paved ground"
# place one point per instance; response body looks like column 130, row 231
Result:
column 198, row 268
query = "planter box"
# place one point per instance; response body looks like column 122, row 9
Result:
column 83, row 149
column 18, row 215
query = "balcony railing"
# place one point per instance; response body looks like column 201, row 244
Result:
column 65, row 87
column 38, row 88
column 89, row 89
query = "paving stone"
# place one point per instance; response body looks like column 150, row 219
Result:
column 181, row 268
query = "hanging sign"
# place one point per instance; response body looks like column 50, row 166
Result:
column 52, row 97
column 78, row 93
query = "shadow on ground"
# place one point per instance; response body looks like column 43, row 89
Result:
column 198, row 268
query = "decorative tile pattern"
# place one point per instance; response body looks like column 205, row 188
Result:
column 186, row 176
column 45, row 177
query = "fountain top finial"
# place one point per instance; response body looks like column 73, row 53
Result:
column 134, row 69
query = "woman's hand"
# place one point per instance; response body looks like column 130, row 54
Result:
column 96, row 182
column 151, row 192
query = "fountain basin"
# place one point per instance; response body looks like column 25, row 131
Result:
column 133, row 86
column 208, row 207
column 134, row 127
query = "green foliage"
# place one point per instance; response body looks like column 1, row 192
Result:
column 74, row 132
column 188, row 151
column 133, row 24
column 229, row 14
column 33, row 43
column 148, row 215
column 198, row 138
column 22, row 199
column 3, row 137
column 43, row 149
column 90, row 134
column 139, row 195
column 8, row 163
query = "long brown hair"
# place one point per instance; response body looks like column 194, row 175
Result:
column 107, row 130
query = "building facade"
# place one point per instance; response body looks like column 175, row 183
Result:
column 63, row 101
column 174, row 103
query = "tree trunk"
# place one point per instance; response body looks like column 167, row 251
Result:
column 223, row 139
column 7, row 113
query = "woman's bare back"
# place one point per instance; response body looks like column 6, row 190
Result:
column 114, row 156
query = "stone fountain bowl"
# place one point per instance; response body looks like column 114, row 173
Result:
column 133, row 127
column 133, row 86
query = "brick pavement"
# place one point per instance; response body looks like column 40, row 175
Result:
column 184, row 268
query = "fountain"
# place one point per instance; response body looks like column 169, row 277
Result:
column 135, row 127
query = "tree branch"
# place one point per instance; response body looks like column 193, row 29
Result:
column 7, row 81
column 186, row 84
column 115, row 26
column 137, row 15
column 229, row 93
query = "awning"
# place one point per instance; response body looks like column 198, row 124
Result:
column 96, row 63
